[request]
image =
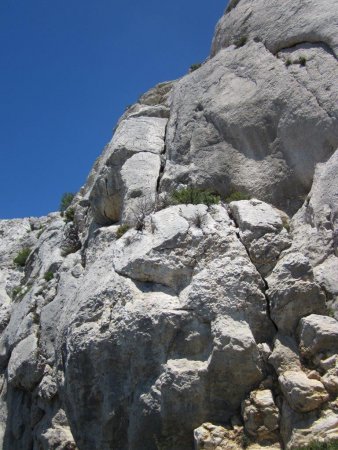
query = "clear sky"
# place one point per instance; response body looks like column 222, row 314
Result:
column 68, row 69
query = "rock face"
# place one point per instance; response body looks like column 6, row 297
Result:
column 211, row 326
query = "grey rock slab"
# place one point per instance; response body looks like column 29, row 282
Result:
column 318, row 334
column 25, row 368
column 285, row 355
column 293, row 293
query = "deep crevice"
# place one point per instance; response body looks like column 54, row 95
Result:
column 266, row 286
column 163, row 160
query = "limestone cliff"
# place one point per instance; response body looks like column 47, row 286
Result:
column 211, row 326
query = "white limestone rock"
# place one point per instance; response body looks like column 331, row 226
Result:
column 278, row 25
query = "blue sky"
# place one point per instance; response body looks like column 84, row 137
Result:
column 68, row 69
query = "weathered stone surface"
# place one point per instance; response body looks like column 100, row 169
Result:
column 302, row 393
column 330, row 381
column 236, row 126
column 318, row 334
column 136, row 147
column 300, row 430
column 278, row 25
column 315, row 225
column 261, row 231
column 24, row 367
column 212, row 437
column 285, row 355
column 293, row 293
column 138, row 340
column 315, row 229
column 261, row 415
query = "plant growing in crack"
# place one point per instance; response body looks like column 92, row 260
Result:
column 140, row 211
column 302, row 61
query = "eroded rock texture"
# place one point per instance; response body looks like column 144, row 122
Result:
column 214, row 326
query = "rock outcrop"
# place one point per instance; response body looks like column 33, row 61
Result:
column 141, row 324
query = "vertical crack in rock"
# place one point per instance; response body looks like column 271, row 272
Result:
column 265, row 283
column 163, row 157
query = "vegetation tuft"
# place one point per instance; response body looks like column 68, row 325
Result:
column 194, row 196
column 66, row 200
column 240, row 42
column 121, row 230
column 69, row 215
column 194, row 67
column 302, row 61
column 48, row 275
column 288, row 62
column 235, row 196
column 21, row 258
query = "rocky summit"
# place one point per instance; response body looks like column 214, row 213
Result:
column 188, row 296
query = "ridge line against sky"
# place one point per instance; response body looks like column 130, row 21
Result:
column 68, row 69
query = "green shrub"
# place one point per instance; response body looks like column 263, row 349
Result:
column 235, row 196
column 288, row 62
column 48, row 275
column 21, row 258
column 66, row 200
column 121, row 230
column 194, row 67
column 302, row 60
column 69, row 215
column 194, row 196
column 240, row 42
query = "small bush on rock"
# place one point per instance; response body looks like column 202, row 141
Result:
column 194, row 196
column 121, row 230
column 66, row 200
column 48, row 276
column 21, row 258
column 194, row 67
column 288, row 62
column 69, row 215
column 235, row 196
column 240, row 42
column 302, row 61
